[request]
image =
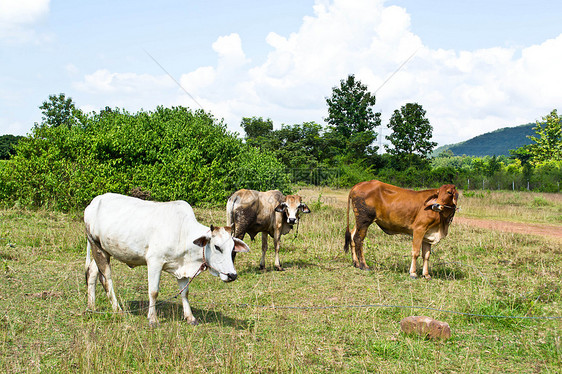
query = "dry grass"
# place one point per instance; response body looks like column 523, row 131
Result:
column 44, row 326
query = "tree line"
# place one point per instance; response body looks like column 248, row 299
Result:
column 177, row 153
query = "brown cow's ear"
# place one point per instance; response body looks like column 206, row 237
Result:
column 240, row 246
column 202, row 241
column 280, row 208
column 431, row 200
column 305, row 208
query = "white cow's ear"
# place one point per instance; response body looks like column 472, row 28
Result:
column 305, row 208
column 280, row 207
column 240, row 246
column 202, row 241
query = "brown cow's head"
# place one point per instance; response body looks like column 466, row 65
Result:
column 445, row 199
column 292, row 206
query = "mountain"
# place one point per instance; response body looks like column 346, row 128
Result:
column 497, row 142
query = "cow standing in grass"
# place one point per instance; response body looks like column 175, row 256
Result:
column 161, row 235
column 270, row 213
column 424, row 215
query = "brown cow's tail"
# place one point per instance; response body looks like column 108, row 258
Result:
column 347, row 232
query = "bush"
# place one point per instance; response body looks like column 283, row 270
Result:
column 168, row 154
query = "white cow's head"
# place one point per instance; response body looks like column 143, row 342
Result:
column 292, row 207
column 218, row 246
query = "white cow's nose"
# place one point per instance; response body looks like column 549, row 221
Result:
column 231, row 277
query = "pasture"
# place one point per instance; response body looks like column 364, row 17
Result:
column 320, row 315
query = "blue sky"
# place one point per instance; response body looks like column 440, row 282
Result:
column 477, row 65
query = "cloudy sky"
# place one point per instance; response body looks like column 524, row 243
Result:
column 475, row 66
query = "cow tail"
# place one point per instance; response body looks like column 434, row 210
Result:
column 347, row 232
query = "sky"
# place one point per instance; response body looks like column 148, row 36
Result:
column 474, row 66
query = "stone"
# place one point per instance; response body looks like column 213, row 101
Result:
column 426, row 327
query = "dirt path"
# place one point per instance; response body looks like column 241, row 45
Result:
column 521, row 228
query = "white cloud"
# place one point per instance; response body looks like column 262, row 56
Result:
column 465, row 93
column 18, row 19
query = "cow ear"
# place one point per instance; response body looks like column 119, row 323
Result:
column 305, row 208
column 212, row 228
column 280, row 207
column 240, row 246
column 430, row 201
column 202, row 241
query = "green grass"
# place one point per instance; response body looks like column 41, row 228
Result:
column 530, row 207
column 260, row 323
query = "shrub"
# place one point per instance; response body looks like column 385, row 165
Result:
column 169, row 154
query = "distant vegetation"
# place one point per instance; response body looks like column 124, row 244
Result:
column 176, row 153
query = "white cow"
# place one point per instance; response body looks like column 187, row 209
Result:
column 161, row 235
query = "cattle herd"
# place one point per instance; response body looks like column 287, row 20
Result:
column 165, row 236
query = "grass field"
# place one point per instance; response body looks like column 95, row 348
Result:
column 320, row 315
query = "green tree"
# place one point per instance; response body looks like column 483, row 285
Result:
column 7, row 144
column 548, row 142
column 351, row 120
column 60, row 110
column 411, row 135
column 256, row 127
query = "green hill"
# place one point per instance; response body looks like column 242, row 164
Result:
column 497, row 142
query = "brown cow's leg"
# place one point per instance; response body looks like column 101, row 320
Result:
column 352, row 245
column 276, row 242
column 102, row 261
column 416, row 246
column 263, row 249
column 359, row 260
column 426, row 252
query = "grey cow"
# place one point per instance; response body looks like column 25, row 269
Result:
column 270, row 213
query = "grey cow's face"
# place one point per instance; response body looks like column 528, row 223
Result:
column 292, row 207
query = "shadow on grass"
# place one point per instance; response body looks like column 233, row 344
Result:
column 439, row 269
column 298, row 264
column 173, row 311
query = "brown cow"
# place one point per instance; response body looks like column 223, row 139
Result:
column 425, row 215
column 270, row 213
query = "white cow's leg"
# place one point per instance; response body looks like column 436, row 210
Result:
column 154, row 272
column 91, row 279
column 426, row 252
column 102, row 263
column 276, row 242
column 184, row 288
column 416, row 246
column 263, row 249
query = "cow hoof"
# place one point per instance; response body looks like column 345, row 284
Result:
column 195, row 322
column 154, row 324
column 279, row 268
column 427, row 277
column 413, row 276
column 262, row 267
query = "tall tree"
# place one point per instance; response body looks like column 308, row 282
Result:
column 548, row 142
column 60, row 110
column 411, row 135
column 351, row 119
column 255, row 127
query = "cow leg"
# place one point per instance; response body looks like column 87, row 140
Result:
column 154, row 272
column 276, row 242
column 187, row 314
column 263, row 249
column 102, row 259
column 91, row 278
column 426, row 252
column 416, row 246
column 357, row 247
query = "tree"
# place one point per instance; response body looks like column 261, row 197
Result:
column 351, row 119
column 7, row 144
column 411, row 134
column 548, row 142
column 60, row 110
column 255, row 127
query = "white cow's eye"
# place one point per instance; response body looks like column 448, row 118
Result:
column 218, row 248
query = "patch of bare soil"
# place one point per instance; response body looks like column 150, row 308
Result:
column 521, row 228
